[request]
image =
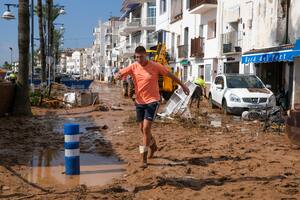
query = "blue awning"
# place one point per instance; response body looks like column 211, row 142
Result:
column 287, row 55
column 130, row 8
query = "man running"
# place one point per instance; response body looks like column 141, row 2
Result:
column 145, row 75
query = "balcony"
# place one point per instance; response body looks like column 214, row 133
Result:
column 109, row 47
column 202, row 6
column 108, row 32
column 137, row 24
column 128, row 49
column 232, row 42
column 197, row 47
column 183, row 51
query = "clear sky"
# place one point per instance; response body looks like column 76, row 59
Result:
column 81, row 18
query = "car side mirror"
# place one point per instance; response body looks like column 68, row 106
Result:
column 219, row 86
column 268, row 86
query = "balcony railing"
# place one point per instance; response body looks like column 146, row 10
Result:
column 196, row 3
column 232, row 42
column 139, row 23
column 183, row 51
column 151, row 21
column 197, row 47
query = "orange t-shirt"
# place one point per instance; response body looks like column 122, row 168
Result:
column 145, row 80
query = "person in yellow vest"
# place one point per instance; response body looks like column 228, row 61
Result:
column 13, row 77
column 200, row 81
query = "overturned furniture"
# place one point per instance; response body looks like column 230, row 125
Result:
column 178, row 103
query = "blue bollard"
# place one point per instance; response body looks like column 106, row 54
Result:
column 72, row 152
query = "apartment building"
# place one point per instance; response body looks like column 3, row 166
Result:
column 259, row 37
column 98, row 52
column 137, row 29
column 188, row 28
column 112, row 39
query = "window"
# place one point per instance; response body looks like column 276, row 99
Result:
column 219, row 81
column 151, row 13
column 178, row 40
column 207, row 76
column 201, row 34
column 186, row 36
column 173, row 44
column 163, row 6
column 231, row 67
column 211, row 29
column 162, row 36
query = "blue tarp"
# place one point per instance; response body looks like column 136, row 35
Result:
column 275, row 56
column 77, row 84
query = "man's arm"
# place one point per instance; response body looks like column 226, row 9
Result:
column 123, row 72
column 185, row 89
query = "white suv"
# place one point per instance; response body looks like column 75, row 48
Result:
column 235, row 93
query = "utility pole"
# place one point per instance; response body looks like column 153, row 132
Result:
column 32, row 40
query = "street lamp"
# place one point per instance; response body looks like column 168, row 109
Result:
column 62, row 10
column 8, row 15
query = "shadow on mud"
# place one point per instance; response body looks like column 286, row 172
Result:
column 199, row 184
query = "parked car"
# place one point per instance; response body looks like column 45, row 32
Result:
column 235, row 93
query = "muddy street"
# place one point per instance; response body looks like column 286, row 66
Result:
column 209, row 157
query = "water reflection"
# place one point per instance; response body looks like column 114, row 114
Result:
column 48, row 169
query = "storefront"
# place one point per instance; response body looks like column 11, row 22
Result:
column 277, row 68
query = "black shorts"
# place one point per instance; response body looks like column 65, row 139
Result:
column 146, row 111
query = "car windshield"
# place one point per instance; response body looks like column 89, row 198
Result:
column 244, row 82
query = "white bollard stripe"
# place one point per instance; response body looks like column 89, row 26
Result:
column 72, row 138
column 72, row 152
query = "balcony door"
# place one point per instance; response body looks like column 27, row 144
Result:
column 151, row 13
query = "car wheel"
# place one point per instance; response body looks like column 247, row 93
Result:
column 210, row 101
column 224, row 107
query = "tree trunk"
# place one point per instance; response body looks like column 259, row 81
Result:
column 49, row 5
column 42, row 39
column 22, row 103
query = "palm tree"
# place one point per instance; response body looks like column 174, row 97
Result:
column 22, row 103
column 42, row 39
column 49, row 5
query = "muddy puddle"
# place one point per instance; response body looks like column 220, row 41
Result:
column 98, row 163
column 47, row 169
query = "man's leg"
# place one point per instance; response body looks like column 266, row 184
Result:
column 140, row 115
column 150, row 115
column 147, row 132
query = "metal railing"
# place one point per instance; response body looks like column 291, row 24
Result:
column 138, row 22
column 232, row 41
column 196, row 3
column 183, row 51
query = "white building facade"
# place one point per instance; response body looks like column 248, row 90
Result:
column 188, row 28
column 98, row 52
column 137, row 29
column 258, row 37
